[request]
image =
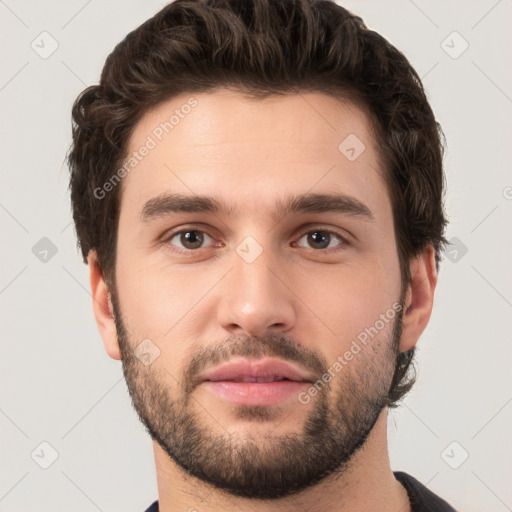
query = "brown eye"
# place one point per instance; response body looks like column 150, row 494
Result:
column 321, row 239
column 189, row 239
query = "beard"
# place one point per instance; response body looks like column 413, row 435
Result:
column 270, row 466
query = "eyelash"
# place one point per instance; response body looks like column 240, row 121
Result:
column 190, row 252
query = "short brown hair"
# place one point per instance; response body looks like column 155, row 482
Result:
column 262, row 47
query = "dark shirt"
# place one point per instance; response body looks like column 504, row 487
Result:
column 421, row 499
column 153, row 507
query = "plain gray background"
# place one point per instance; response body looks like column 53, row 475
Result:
column 58, row 385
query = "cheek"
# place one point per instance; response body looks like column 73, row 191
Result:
column 156, row 306
column 164, row 302
column 147, row 297
column 355, row 304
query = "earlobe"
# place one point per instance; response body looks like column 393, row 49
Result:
column 102, row 307
column 419, row 298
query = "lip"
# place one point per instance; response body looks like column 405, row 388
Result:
column 265, row 368
column 259, row 382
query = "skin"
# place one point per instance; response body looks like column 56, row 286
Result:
column 251, row 153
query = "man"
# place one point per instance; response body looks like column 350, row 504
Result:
column 257, row 189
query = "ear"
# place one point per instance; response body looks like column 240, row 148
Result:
column 102, row 306
column 419, row 298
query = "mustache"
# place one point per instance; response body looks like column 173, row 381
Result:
column 255, row 348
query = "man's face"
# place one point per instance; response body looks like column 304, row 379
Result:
column 258, row 284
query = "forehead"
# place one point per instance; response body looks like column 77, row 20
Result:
column 251, row 150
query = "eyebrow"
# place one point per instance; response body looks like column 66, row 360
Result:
column 166, row 204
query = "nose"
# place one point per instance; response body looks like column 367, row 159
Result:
column 256, row 298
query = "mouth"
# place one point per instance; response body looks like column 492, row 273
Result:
column 250, row 378
column 257, row 370
column 260, row 382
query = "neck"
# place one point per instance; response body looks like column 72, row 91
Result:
column 368, row 484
